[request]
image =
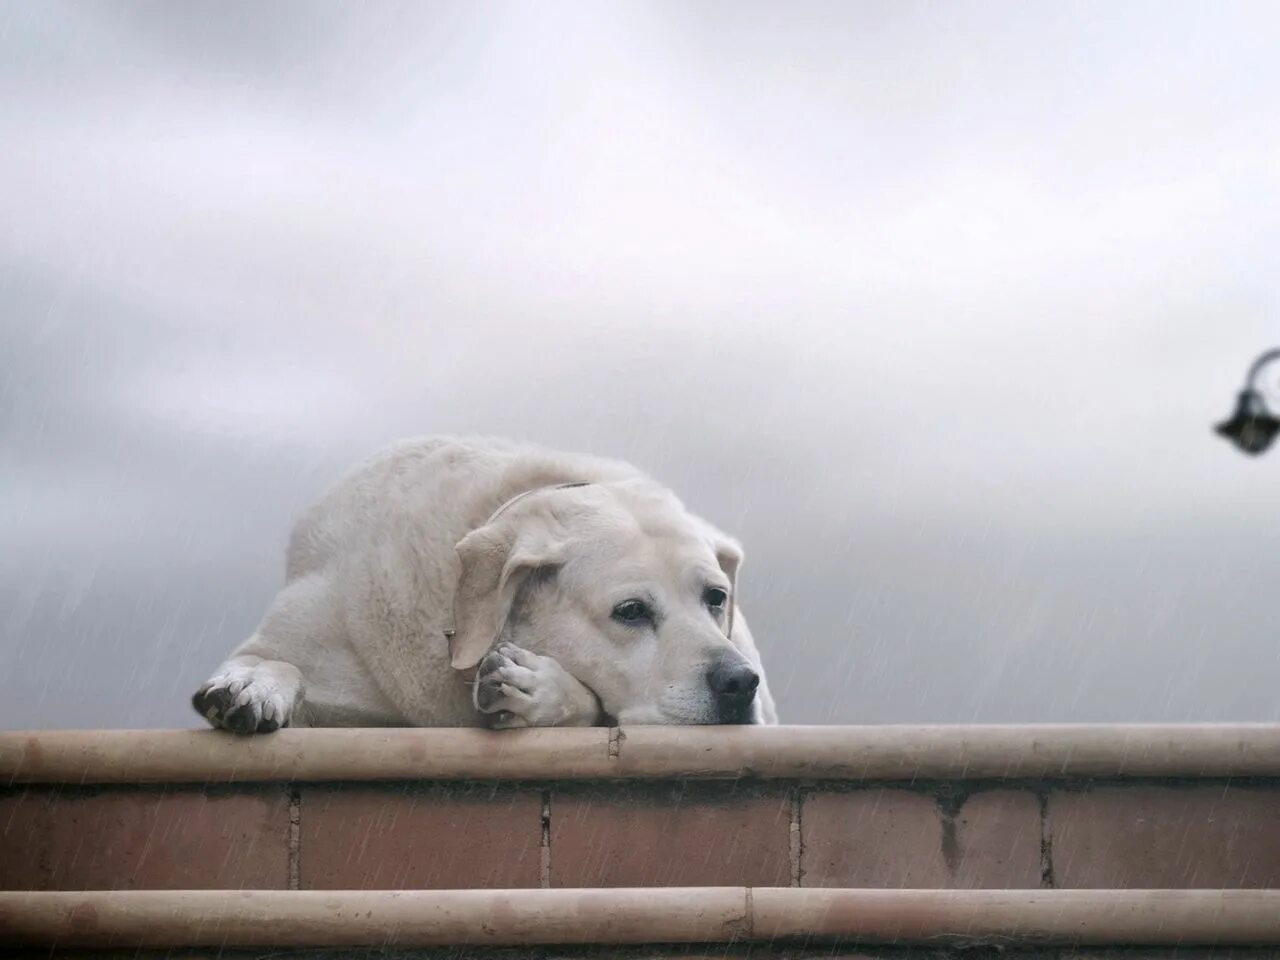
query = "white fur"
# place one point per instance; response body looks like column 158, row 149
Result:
column 381, row 565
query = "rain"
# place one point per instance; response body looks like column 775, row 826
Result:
column 932, row 306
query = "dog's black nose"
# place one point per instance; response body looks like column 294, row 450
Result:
column 733, row 683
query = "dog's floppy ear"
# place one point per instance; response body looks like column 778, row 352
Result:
column 493, row 562
column 729, row 557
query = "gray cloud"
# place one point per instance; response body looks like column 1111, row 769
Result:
column 931, row 306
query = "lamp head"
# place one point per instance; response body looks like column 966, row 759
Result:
column 1252, row 427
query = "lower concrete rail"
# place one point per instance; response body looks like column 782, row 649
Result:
column 264, row 918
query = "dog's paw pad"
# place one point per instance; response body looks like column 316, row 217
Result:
column 242, row 705
column 489, row 680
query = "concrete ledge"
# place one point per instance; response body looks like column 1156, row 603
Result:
column 806, row 753
column 150, row 919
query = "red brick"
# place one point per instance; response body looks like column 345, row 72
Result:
column 148, row 839
column 700, row 834
column 362, row 837
column 1166, row 837
column 902, row 838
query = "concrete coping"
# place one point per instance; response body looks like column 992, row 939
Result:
column 233, row 918
column 645, row 753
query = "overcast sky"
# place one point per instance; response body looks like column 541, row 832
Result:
column 932, row 305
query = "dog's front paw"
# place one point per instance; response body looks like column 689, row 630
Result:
column 516, row 688
column 244, row 700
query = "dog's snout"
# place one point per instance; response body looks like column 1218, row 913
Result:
column 733, row 683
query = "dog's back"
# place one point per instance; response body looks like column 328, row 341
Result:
column 448, row 484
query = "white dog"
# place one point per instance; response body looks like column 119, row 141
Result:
column 584, row 592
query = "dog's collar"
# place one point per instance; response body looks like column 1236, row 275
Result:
column 451, row 631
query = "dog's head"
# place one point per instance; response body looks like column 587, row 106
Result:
column 630, row 593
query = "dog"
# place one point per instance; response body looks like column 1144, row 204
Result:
column 475, row 582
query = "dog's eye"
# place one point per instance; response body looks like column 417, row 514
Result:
column 714, row 597
column 632, row 611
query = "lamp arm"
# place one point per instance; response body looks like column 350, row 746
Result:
column 1256, row 370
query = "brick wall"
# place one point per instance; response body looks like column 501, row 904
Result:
column 1202, row 832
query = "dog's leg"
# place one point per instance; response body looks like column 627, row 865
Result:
column 250, row 695
column 516, row 688
column 261, row 686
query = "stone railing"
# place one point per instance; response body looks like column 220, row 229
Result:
column 1057, row 835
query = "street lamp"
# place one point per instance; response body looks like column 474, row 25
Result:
column 1252, row 427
